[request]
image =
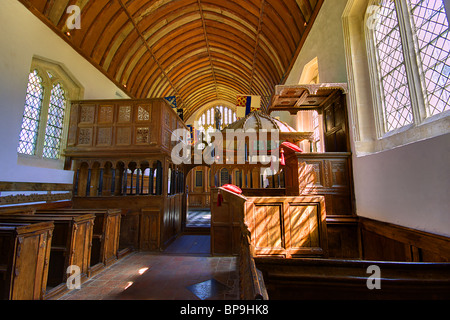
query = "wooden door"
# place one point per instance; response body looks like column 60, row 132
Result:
column 111, row 237
column 336, row 125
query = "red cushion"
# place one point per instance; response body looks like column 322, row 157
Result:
column 292, row 146
column 232, row 188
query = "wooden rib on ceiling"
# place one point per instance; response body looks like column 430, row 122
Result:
column 198, row 50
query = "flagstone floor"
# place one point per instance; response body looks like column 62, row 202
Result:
column 185, row 271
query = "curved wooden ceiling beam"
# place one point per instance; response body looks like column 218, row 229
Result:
column 199, row 50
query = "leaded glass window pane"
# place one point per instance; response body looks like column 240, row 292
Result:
column 397, row 110
column 32, row 113
column 55, row 123
column 432, row 30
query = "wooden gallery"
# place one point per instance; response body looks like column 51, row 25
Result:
column 334, row 181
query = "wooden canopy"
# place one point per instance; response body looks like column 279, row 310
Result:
column 198, row 50
column 305, row 97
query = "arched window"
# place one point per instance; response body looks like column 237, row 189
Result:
column 55, row 122
column 397, row 110
column 45, row 118
column 217, row 117
column 432, row 30
column 32, row 115
column 409, row 51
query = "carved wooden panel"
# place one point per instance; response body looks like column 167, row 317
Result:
column 85, row 136
column 104, row 136
column 124, row 114
column 143, row 113
column 128, row 124
column 143, row 135
column 123, row 136
column 106, row 114
column 166, row 118
column 327, row 174
column 166, row 139
column 72, row 132
column 87, row 114
column 339, row 173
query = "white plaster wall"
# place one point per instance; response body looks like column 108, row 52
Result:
column 409, row 185
column 22, row 36
column 326, row 42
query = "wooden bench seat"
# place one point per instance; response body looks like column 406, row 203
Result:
column 24, row 260
column 330, row 279
column 71, row 245
column 105, row 237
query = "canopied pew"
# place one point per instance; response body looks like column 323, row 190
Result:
column 24, row 260
column 105, row 237
column 71, row 245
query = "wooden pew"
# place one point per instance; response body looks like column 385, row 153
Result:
column 105, row 237
column 71, row 245
column 24, row 260
column 331, row 279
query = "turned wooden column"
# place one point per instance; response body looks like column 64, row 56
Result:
column 113, row 181
column 75, row 184
column 100, row 182
column 88, row 183
column 124, row 180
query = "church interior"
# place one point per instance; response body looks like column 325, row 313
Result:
column 350, row 97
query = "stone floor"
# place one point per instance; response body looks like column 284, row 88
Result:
column 185, row 271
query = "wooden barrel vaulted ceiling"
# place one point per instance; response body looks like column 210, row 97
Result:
column 198, row 50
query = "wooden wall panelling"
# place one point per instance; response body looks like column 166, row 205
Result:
column 150, row 230
column 343, row 237
column 386, row 241
column 338, row 279
column 327, row 174
column 24, row 260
